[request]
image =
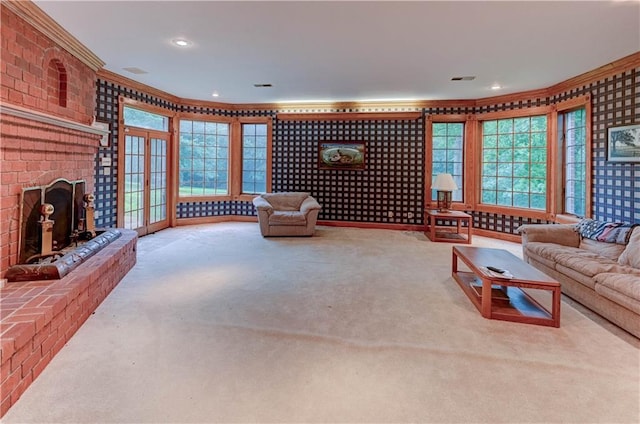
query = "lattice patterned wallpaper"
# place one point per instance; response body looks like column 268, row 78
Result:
column 389, row 190
column 616, row 186
column 393, row 180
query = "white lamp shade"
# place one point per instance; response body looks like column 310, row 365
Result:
column 444, row 182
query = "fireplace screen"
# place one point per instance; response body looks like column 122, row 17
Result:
column 66, row 197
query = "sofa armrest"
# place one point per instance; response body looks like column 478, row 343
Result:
column 262, row 205
column 309, row 204
column 563, row 234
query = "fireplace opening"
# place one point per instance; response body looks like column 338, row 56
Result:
column 57, row 231
column 65, row 197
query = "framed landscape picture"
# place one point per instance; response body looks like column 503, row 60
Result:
column 341, row 155
column 623, row 143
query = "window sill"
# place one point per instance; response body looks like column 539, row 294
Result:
column 200, row 199
column 510, row 211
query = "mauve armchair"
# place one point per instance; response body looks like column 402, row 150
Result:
column 287, row 214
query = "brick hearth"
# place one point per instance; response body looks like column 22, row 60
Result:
column 37, row 318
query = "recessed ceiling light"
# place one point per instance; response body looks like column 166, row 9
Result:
column 215, row 94
column 181, row 42
column 496, row 87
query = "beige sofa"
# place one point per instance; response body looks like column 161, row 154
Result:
column 605, row 277
column 287, row 214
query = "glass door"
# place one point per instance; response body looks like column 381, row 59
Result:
column 144, row 181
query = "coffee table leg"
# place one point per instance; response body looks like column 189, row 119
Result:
column 486, row 298
column 454, row 262
column 555, row 308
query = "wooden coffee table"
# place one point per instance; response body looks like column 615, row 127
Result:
column 501, row 298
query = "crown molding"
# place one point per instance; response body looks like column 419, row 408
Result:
column 610, row 69
column 135, row 85
column 36, row 17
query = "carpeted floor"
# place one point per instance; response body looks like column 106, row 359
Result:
column 217, row 324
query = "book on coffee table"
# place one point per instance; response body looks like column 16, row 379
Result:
column 498, row 293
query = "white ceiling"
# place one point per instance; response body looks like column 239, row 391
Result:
column 351, row 51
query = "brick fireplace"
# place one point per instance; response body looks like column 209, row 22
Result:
column 34, row 154
column 47, row 100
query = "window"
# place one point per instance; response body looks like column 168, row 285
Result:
column 223, row 157
column 254, row 158
column 514, row 162
column 572, row 136
column 447, row 154
column 204, row 158
column 143, row 119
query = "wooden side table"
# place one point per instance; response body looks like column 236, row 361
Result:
column 437, row 232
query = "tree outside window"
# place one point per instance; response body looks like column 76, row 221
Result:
column 514, row 162
column 254, row 158
column 204, row 158
column 573, row 127
column 447, row 154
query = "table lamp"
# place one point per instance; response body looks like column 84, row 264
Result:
column 444, row 184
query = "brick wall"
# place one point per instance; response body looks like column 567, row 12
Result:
column 27, row 59
column 34, row 74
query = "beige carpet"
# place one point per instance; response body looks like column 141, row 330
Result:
column 217, row 324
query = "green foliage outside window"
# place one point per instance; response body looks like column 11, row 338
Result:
column 203, row 158
column 514, row 162
column 143, row 119
column 575, row 184
column 254, row 158
column 447, row 154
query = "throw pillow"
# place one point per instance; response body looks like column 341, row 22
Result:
column 588, row 228
column 608, row 232
column 631, row 254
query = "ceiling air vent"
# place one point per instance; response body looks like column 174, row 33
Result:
column 262, row 85
column 135, row 70
column 463, row 78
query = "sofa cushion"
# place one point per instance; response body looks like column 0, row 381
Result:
column 563, row 234
column 631, row 254
column 587, row 263
column 287, row 218
column 553, row 252
column 608, row 250
column 623, row 289
column 576, row 276
column 547, row 250
column 287, row 201
column 532, row 250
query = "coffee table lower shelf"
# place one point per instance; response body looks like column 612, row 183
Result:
column 509, row 301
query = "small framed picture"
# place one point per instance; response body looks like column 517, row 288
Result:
column 341, row 155
column 623, row 143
